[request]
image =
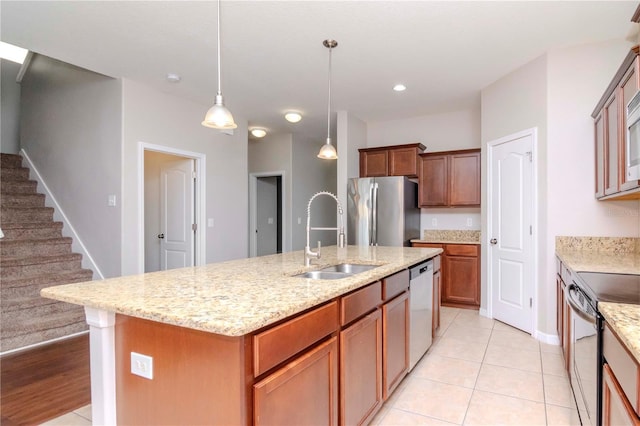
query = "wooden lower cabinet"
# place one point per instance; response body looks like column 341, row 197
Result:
column 461, row 281
column 305, row 391
column 616, row 409
column 437, row 288
column 361, row 370
column 395, row 343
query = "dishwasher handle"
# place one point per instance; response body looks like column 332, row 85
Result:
column 420, row 269
column 576, row 306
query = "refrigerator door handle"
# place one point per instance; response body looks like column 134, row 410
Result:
column 375, row 214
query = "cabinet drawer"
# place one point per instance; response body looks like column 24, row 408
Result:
column 360, row 302
column 395, row 284
column 273, row 346
column 470, row 250
column 623, row 366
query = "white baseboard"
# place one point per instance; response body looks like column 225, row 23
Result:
column 67, row 230
column 46, row 342
column 549, row 339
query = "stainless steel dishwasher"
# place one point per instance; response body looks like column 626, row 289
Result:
column 421, row 310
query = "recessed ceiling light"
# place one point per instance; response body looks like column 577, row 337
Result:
column 12, row 53
column 399, row 87
column 258, row 133
column 173, row 78
column 293, row 117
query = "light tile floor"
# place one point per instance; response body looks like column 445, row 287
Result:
column 477, row 372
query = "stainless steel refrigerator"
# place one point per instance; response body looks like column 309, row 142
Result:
column 382, row 211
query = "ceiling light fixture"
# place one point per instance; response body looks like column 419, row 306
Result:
column 173, row 78
column 218, row 116
column 293, row 117
column 258, row 133
column 399, row 87
column 328, row 151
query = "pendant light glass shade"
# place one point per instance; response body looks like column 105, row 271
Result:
column 218, row 116
column 328, row 151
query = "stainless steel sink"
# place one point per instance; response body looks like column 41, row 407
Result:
column 349, row 268
column 336, row 272
column 323, row 275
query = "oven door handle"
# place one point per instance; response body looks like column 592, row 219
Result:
column 575, row 305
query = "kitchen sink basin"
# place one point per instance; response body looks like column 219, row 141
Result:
column 349, row 268
column 323, row 275
column 336, row 272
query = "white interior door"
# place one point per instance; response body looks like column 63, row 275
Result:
column 267, row 215
column 177, row 213
column 511, row 231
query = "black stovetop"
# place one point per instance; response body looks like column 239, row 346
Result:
column 605, row 287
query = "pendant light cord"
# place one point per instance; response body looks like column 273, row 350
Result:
column 219, row 64
column 329, row 102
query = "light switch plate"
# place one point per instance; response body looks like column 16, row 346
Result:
column 142, row 365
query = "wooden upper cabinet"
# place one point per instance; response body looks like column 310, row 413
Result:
column 450, row 179
column 398, row 160
column 611, row 132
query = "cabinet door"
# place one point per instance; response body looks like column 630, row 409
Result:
column 616, row 409
column 629, row 85
column 461, row 285
column 403, row 162
column 361, row 370
column 611, row 146
column 433, row 187
column 464, row 179
column 395, row 343
column 600, row 155
column 436, row 304
column 305, row 391
column 374, row 163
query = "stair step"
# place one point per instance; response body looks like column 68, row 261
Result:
column 14, row 173
column 23, row 200
column 20, row 286
column 10, row 160
column 42, row 247
column 29, row 231
column 25, row 214
column 14, row 267
column 36, row 330
column 18, row 186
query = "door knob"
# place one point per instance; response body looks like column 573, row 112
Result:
column 161, row 236
column 493, row 241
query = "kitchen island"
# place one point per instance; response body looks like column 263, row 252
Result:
column 218, row 332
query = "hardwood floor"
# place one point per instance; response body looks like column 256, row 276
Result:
column 43, row 383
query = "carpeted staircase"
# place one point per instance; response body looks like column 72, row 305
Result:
column 33, row 255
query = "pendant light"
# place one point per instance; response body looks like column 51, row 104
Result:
column 218, row 116
column 328, row 151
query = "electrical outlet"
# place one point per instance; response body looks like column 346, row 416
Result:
column 469, row 221
column 142, row 365
column 270, row 221
column 111, row 200
column 299, row 221
column 434, row 222
column 210, row 222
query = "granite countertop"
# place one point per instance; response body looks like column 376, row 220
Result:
column 596, row 261
column 624, row 320
column 448, row 236
column 236, row 297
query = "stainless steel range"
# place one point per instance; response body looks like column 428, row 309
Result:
column 583, row 295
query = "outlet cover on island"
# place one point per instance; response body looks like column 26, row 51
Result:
column 142, row 365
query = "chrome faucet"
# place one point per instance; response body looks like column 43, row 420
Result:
column 308, row 253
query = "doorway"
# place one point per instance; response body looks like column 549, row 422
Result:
column 172, row 207
column 267, row 233
column 512, row 229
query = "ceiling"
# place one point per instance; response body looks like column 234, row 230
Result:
column 273, row 59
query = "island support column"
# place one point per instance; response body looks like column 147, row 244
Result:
column 103, row 365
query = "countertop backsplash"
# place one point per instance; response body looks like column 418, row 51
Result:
column 451, row 235
column 599, row 244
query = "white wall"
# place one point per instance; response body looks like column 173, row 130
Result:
column 557, row 93
column 438, row 132
column 71, row 129
column 577, row 78
column 450, row 218
column 158, row 118
column 312, row 174
column 274, row 153
column 10, row 108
